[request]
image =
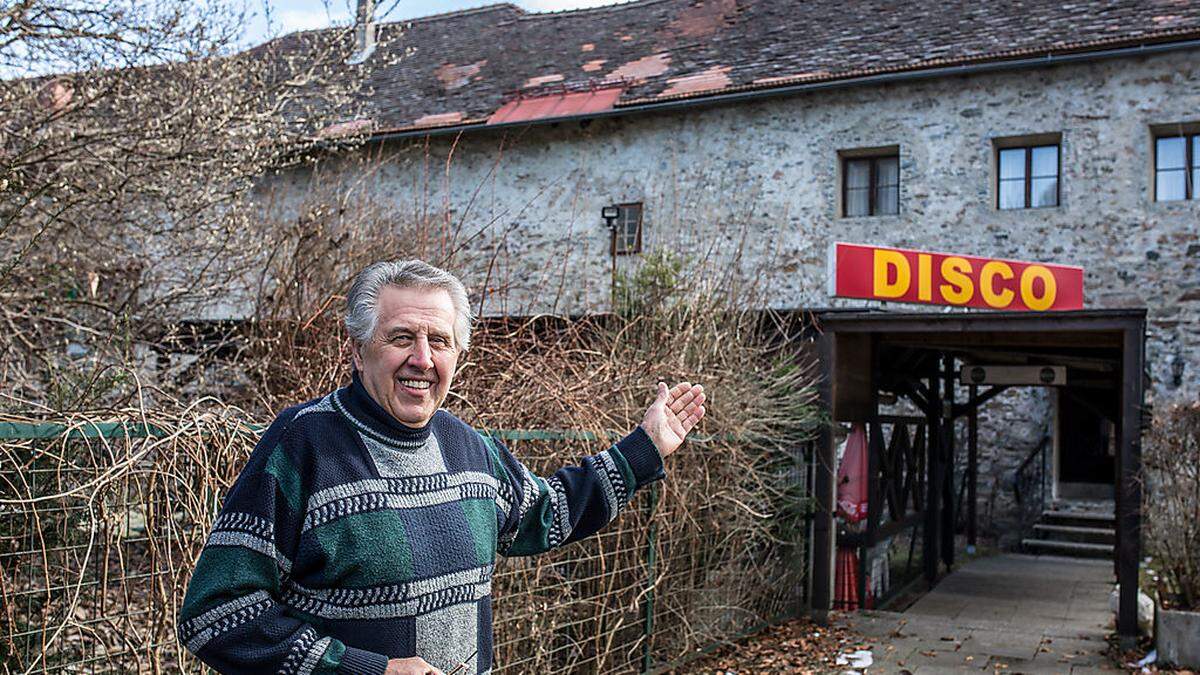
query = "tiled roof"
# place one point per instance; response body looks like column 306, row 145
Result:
column 463, row 67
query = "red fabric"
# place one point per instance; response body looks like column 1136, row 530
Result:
column 845, row 592
column 852, row 477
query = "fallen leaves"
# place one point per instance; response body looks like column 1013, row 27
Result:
column 798, row 646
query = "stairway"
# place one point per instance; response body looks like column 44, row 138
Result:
column 1075, row 530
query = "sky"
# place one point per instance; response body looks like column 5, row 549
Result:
column 286, row 16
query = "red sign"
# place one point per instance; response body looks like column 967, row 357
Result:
column 900, row 275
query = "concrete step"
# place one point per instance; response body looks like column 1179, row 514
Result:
column 1096, row 519
column 1070, row 549
column 1072, row 533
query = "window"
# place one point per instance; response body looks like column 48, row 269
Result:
column 1028, row 177
column 871, row 185
column 627, row 236
column 1176, row 167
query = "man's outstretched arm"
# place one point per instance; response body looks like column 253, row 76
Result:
column 544, row 513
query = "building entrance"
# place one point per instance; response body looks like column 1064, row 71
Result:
column 922, row 470
column 1086, row 446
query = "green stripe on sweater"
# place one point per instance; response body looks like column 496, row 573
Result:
column 494, row 462
column 227, row 572
column 331, row 659
column 481, row 516
column 280, row 466
column 533, row 535
column 624, row 468
column 364, row 548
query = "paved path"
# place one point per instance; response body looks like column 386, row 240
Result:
column 1007, row 613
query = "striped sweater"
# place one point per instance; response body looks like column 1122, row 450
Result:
column 349, row 539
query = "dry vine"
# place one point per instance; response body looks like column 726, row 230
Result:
column 1172, row 508
column 97, row 536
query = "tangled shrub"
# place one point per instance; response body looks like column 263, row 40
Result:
column 1172, row 505
column 98, row 537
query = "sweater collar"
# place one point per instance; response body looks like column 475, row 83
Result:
column 365, row 413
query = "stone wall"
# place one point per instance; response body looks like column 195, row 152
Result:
column 752, row 190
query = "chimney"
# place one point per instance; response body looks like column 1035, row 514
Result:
column 364, row 32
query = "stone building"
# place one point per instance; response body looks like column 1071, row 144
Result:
column 748, row 135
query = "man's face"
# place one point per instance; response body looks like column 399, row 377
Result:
column 408, row 363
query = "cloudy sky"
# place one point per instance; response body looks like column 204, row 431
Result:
column 286, row 16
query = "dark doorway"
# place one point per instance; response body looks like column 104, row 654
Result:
column 1086, row 447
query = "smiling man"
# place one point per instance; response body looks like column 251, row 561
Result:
column 361, row 536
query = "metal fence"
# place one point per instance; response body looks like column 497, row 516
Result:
column 100, row 524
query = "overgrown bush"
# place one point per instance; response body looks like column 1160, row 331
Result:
column 97, row 538
column 1172, row 505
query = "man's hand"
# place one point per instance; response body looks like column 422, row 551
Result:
column 673, row 414
column 410, row 666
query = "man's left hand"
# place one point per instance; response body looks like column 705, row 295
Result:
column 673, row 414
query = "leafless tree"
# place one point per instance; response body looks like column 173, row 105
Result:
column 132, row 134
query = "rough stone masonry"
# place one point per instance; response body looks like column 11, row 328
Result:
column 754, row 188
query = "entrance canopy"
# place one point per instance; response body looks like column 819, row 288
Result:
column 924, row 357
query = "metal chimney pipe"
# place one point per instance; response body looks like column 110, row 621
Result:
column 364, row 32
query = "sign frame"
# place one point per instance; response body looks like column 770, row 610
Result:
column 890, row 274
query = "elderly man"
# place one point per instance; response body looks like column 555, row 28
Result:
column 361, row 536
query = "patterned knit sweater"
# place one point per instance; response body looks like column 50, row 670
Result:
column 350, row 538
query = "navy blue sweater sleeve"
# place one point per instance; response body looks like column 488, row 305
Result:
column 576, row 501
column 231, row 617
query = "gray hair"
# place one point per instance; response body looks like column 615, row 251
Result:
column 362, row 317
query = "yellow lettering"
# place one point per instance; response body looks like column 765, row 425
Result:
column 924, row 277
column 987, row 284
column 884, row 262
column 958, row 288
column 1049, row 288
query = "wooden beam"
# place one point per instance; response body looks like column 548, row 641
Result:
column 948, row 503
column 975, row 401
column 1072, row 360
column 1129, row 486
column 933, row 486
column 919, row 395
column 988, row 322
column 825, row 470
column 972, row 468
column 1007, row 340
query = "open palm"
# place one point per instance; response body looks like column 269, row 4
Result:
column 673, row 414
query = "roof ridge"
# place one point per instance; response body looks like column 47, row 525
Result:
column 348, row 27
column 620, row 5
column 457, row 13
column 1060, row 49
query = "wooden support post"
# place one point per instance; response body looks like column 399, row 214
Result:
column 825, row 470
column 972, row 471
column 933, row 483
column 874, row 440
column 1116, row 559
column 948, row 502
column 1129, row 486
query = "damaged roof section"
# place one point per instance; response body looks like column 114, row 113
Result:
column 455, row 77
column 493, row 62
column 550, row 106
column 644, row 68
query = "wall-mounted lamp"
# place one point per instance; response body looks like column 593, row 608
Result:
column 611, row 214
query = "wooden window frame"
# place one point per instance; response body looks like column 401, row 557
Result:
column 1028, row 176
column 872, row 182
column 1189, row 164
column 618, row 233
